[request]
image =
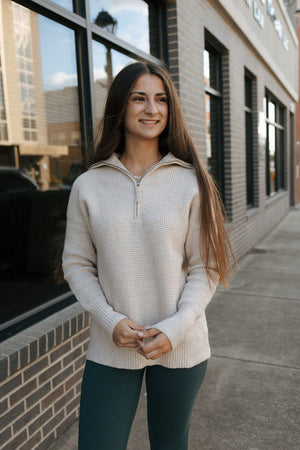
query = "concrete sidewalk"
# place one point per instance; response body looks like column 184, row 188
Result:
column 251, row 394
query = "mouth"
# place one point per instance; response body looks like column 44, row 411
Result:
column 149, row 122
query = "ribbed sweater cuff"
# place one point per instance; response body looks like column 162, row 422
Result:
column 108, row 321
column 176, row 327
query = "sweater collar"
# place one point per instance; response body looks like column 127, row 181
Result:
column 114, row 161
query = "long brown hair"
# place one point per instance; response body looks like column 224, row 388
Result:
column 215, row 245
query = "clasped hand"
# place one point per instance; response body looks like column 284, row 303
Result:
column 129, row 334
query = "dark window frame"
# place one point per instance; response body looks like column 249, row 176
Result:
column 250, row 109
column 215, row 92
column 280, row 145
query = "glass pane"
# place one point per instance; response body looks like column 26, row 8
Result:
column 248, row 92
column 107, row 63
column 280, row 118
column 271, row 111
column 272, row 149
column 249, row 158
column 40, row 154
column 213, row 144
column 212, row 67
column 207, row 129
column 67, row 4
column 129, row 20
column 206, row 68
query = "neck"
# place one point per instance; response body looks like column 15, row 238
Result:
column 138, row 157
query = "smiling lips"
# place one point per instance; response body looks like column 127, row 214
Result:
column 149, row 122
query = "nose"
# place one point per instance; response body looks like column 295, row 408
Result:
column 151, row 107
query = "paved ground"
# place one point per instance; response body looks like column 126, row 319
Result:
column 251, row 394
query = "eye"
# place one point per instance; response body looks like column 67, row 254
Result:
column 138, row 99
column 162, row 100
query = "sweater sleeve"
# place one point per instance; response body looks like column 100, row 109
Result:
column 198, row 289
column 80, row 262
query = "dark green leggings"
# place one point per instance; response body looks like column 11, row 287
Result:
column 109, row 400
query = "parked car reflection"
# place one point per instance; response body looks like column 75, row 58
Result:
column 16, row 180
column 32, row 222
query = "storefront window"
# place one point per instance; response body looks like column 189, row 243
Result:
column 3, row 121
column 39, row 157
column 67, row 4
column 107, row 63
column 47, row 130
column 213, row 114
column 275, row 149
column 249, row 144
column 128, row 20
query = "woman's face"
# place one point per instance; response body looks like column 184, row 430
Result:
column 146, row 114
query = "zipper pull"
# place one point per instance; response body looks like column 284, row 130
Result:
column 137, row 200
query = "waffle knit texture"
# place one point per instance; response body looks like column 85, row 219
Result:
column 132, row 250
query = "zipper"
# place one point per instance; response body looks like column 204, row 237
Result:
column 139, row 182
column 137, row 199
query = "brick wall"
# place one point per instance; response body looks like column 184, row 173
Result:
column 41, row 370
column 188, row 22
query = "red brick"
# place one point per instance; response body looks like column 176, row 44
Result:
column 73, row 380
column 81, row 337
column 3, row 406
column 73, row 405
column 62, row 376
column 12, row 414
column 79, row 363
column 36, row 368
column 53, row 423
column 32, row 442
column 50, row 372
column 72, row 356
column 60, row 351
column 78, row 388
column 5, row 436
column 54, row 395
column 45, row 444
column 16, row 442
column 26, row 418
column 63, row 400
column 66, row 423
column 43, row 418
column 24, row 391
column 38, row 394
column 85, row 346
column 10, row 385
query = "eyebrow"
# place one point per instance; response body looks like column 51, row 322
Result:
column 159, row 94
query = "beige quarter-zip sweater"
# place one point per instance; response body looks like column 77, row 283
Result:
column 132, row 250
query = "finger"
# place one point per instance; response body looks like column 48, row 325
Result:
column 141, row 352
column 152, row 355
column 135, row 326
column 131, row 343
column 157, row 343
column 151, row 332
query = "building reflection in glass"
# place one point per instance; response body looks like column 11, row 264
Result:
column 40, row 152
column 101, row 76
column 132, row 18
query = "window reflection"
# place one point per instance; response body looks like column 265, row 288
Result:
column 206, row 69
column 3, row 121
column 275, row 149
column 107, row 63
column 272, row 158
column 68, row 4
column 40, row 153
column 213, row 108
column 131, row 17
column 207, row 129
column 271, row 108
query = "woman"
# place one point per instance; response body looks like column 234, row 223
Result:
column 145, row 248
